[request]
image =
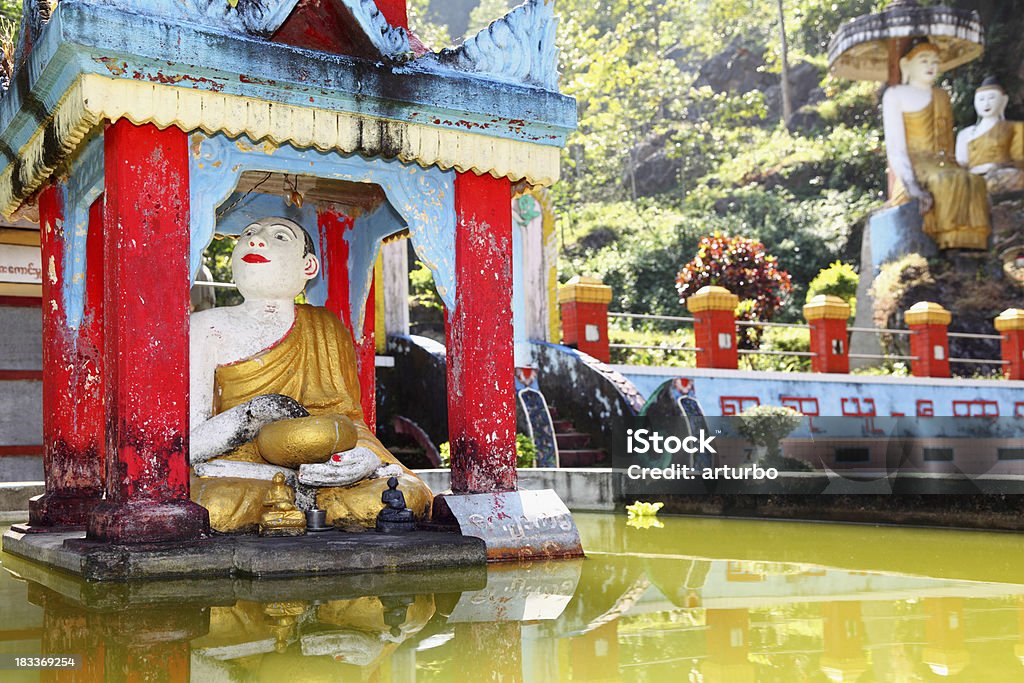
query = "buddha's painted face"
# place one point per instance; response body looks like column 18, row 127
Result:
column 922, row 69
column 269, row 260
column 990, row 103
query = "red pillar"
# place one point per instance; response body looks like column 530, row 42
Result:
column 478, row 659
column 1010, row 324
column 332, row 224
column 728, row 647
column 714, row 327
column 827, row 316
column 929, row 342
column 481, row 398
column 843, row 658
column 72, row 401
column 584, row 303
column 146, row 302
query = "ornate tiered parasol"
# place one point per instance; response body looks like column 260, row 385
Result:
column 868, row 48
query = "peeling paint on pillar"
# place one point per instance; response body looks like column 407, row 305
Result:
column 146, row 286
column 332, row 225
column 481, row 395
column 72, row 407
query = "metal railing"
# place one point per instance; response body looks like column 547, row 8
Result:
column 800, row 326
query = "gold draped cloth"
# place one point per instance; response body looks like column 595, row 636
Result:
column 960, row 217
column 1002, row 144
column 315, row 364
column 1003, row 147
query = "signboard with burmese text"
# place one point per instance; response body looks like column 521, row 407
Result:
column 20, row 264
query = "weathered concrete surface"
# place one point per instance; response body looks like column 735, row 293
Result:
column 21, row 414
column 14, row 495
column 21, row 346
column 889, row 235
column 332, row 552
column 16, row 469
column 21, row 400
column 579, row 488
column 228, row 590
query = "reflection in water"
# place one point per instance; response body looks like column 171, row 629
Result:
column 698, row 600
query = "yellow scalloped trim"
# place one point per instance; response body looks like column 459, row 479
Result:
column 94, row 98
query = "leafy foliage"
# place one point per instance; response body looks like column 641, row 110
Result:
column 766, row 425
column 718, row 157
column 526, row 452
column 839, row 279
column 743, row 267
column 434, row 34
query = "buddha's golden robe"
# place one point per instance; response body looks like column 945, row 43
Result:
column 960, row 217
column 315, row 364
column 1003, row 146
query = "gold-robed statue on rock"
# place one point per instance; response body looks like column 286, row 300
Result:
column 993, row 147
column 918, row 121
column 275, row 391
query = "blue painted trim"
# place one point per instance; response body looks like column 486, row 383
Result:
column 364, row 242
column 85, row 38
column 521, row 348
column 421, row 198
column 259, row 17
column 84, row 185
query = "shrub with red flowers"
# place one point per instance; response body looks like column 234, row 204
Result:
column 743, row 267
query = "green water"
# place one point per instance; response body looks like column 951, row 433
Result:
column 695, row 600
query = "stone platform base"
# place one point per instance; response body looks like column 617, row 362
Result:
column 331, row 552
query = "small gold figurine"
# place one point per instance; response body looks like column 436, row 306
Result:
column 281, row 517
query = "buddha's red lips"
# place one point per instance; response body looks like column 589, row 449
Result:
column 255, row 258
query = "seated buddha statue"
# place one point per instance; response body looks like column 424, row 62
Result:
column 918, row 121
column 275, row 390
column 993, row 147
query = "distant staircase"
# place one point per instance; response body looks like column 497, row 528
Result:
column 575, row 448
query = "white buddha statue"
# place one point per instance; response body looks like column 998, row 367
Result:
column 993, row 147
column 918, row 119
column 275, row 390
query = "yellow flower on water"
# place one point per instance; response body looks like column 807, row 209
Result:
column 639, row 509
column 644, row 523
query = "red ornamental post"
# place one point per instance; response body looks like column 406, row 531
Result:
column 72, row 402
column 584, row 303
column 714, row 327
column 827, row 316
column 481, row 398
column 332, row 224
column 1010, row 324
column 929, row 343
column 146, row 302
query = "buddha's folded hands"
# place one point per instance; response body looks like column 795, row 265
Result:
column 306, row 440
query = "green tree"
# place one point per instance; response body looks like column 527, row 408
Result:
column 10, row 10
column 484, row 13
column 434, row 35
column 839, row 279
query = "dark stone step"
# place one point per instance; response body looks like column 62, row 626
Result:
column 572, row 440
column 563, row 426
column 581, row 458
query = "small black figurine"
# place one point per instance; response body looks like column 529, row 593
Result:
column 395, row 517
